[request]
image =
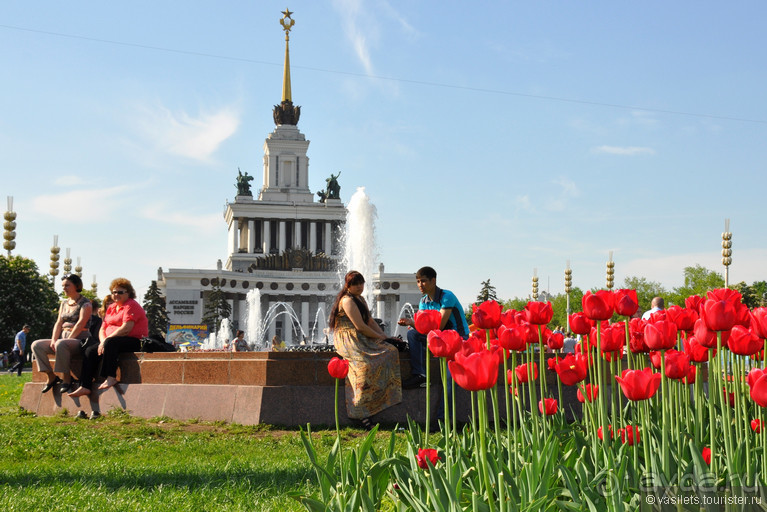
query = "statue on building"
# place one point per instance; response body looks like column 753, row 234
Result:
column 243, row 183
column 332, row 190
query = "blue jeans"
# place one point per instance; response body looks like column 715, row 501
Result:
column 418, row 344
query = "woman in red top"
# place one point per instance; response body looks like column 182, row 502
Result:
column 124, row 325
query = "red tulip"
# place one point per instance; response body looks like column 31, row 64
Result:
column 719, row 315
column 475, row 371
column 513, row 337
column 636, row 336
column 599, row 305
column 683, row 318
column 475, row 343
column 729, row 397
column 580, row 324
column 338, row 368
column 758, row 384
column 639, row 384
column 521, row 372
column 554, row 340
column 743, row 341
column 757, row 425
column 613, row 356
column 706, row 453
column 630, row 434
column 704, row 336
column 444, row 343
column 655, row 360
column 613, row 337
column 592, row 391
column 599, row 432
column 426, row 455
column 725, row 294
column 759, row 322
column 626, row 302
column 572, row 369
column 548, row 406
column 508, row 317
column 677, row 364
column 697, row 352
column 487, row 315
column 427, row 320
column 691, row 373
column 539, row 313
column 660, row 335
column 693, row 302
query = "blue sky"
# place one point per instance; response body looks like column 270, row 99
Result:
column 494, row 138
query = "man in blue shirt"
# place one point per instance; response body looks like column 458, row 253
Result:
column 453, row 317
column 19, row 344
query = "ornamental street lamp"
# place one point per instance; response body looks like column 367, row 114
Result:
column 726, row 252
column 67, row 264
column 55, row 250
column 10, row 226
column 535, row 284
column 568, row 289
column 79, row 268
column 610, row 272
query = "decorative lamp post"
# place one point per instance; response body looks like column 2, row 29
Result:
column 79, row 268
column 726, row 252
column 568, row 289
column 10, row 227
column 55, row 250
column 95, row 286
column 535, row 284
column 67, row 264
column 610, row 272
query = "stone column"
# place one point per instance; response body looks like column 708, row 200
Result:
column 266, row 240
column 251, row 236
column 281, row 246
column 328, row 239
column 233, row 236
column 297, row 233
column 313, row 236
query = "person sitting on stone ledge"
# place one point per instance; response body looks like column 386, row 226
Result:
column 373, row 383
column 69, row 332
column 124, row 325
column 239, row 344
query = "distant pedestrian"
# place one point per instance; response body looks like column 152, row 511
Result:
column 656, row 305
column 19, row 344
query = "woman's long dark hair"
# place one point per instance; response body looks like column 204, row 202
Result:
column 352, row 278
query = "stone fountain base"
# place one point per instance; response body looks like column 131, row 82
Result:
column 277, row 388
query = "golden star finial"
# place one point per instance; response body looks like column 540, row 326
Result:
column 287, row 13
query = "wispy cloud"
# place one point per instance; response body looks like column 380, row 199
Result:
column 558, row 199
column 361, row 30
column 180, row 133
column 96, row 204
column 623, row 150
column 161, row 212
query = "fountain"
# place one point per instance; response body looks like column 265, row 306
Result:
column 253, row 328
column 360, row 251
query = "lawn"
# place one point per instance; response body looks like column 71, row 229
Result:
column 119, row 462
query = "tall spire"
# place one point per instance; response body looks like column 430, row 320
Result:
column 285, row 112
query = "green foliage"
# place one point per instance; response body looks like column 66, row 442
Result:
column 487, row 292
column 754, row 296
column 646, row 290
column 697, row 281
column 216, row 309
column 26, row 297
column 156, row 314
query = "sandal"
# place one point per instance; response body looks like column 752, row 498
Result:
column 49, row 385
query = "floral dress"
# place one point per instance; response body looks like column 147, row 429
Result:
column 374, row 381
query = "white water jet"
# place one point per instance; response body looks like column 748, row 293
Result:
column 224, row 334
column 407, row 311
column 253, row 328
column 359, row 241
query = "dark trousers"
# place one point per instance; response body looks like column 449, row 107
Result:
column 20, row 360
column 112, row 348
column 418, row 345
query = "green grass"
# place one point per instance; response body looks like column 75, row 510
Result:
column 123, row 463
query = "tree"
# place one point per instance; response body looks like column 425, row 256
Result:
column 216, row 308
column 646, row 290
column 697, row 281
column 156, row 314
column 26, row 297
column 486, row 293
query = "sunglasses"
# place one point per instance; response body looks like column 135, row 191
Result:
column 118, row 292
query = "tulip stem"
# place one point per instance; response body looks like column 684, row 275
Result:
column 711, row 418
column 428, row 397
column 508, row 401
column 665, row 403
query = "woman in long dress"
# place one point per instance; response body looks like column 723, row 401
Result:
column 373, row 382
